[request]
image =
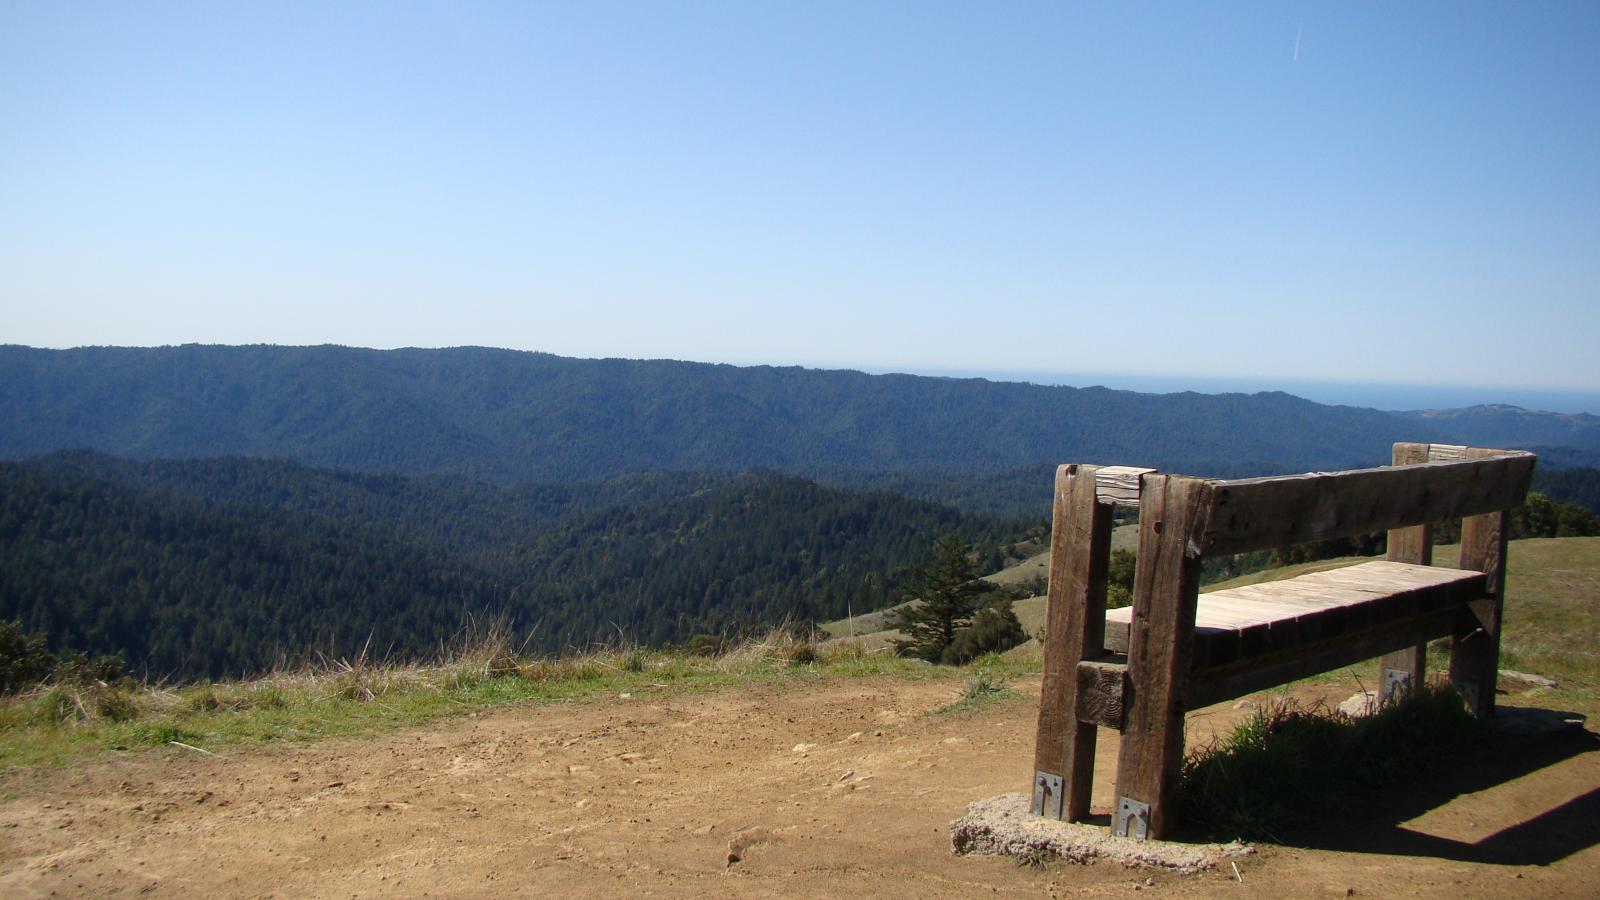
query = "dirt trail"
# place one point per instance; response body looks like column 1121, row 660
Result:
column 844, row 787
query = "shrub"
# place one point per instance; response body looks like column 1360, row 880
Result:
column 24, row 660
column 114, row 703
column 707, row 645
column 81, row 668
column 994, row 629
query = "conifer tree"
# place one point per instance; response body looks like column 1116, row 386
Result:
column 948, row 589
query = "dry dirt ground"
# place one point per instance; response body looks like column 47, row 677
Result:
column 838, row 788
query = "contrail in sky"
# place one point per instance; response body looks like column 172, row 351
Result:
column 1297, row 35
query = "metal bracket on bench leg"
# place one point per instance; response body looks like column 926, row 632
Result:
column 1396, row 686
column 1047, row 795
column 1132, row 820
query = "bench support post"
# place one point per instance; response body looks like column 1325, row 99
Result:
column 1074, row 630
column 1402, row 671
column 1475, row 647
column 1160, row 644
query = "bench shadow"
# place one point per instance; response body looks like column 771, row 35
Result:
column 1570, row 825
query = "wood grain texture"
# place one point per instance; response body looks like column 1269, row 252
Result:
column 1262, row 513
column 1080, row 552
column 1250, row 623
column 1102, row 693
column 1226, row 683
column 1119, row 485
column 1413, row 544
column 1166, row 586
column 1475, row 647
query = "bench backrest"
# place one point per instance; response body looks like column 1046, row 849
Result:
column 1244, row 514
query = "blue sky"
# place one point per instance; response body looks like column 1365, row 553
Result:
column 1278, row 191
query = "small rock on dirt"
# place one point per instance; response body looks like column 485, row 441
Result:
column 1360, row 705
column 1526, row 678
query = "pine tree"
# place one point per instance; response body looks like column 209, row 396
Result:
column 948, row 589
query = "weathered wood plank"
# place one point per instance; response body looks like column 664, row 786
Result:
column 1119, row 485
column 1247, row 621
column 1227, row 683
column 1261, row 513
column 1413, row 544
column 1166, row 587
column 1475, row 646
column 1080, row 552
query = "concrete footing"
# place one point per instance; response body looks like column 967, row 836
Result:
column 1004, row 826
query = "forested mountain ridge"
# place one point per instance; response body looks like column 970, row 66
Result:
column 455, row 513
column 517, row 416
column 1498, row 425
column 183, row 587
column 219, row 567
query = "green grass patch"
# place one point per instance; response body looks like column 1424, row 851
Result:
column 985, row 686
column 58, row 724
column 1290, row 765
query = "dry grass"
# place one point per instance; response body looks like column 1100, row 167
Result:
column 483, row 667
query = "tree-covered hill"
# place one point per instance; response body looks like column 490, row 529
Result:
column 1497, row 425
column 516, row 416
column 483, row 520
column 1580, row 486
column 182, row 587
column 217, row 567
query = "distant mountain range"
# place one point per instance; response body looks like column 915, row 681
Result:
column 264, row 503
column 515, row 416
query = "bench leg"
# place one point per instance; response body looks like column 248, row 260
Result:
column 1475, row 648
column 1075, row 622
column 1160, row 645
column 1402, row 670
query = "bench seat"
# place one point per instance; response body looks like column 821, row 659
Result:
column 1371, row 604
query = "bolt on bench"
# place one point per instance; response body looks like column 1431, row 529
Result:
column 1139, row 669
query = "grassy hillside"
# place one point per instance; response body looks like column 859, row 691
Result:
column 60, row 722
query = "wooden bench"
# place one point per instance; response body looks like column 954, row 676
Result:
column 1140, row 668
